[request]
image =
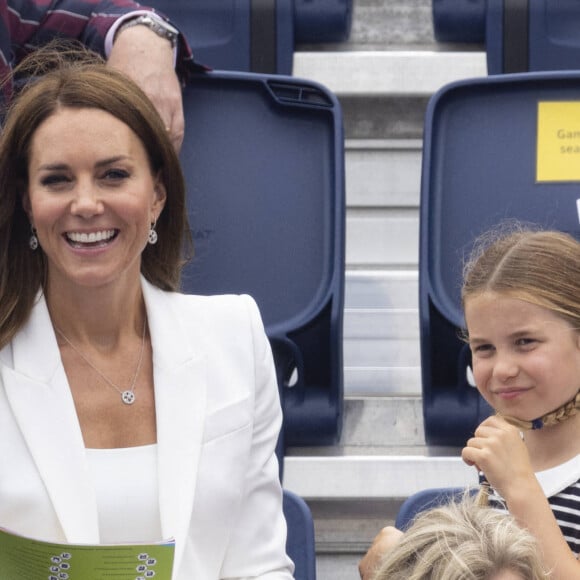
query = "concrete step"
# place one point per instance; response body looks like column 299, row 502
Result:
column 382, row 172
column 383, row 76
column 382, row 191
column 383, row 23
column 368, row 73
column 382, row 455
column 357, row 487
column 381, row 337
column 344, row 530
column 345, row 523
column 381, row 334
column 382, row 477
column 382, row 197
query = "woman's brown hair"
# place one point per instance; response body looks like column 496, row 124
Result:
column 72, row 77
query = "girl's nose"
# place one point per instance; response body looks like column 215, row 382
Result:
column 505, row 367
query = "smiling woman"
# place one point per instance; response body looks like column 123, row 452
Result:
column 92, row 199
column 102, row 358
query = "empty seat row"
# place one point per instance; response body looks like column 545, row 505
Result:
column 265, row 169
column 256, row 35
column 519, row 35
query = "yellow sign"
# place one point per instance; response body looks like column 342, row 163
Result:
column 558, row 152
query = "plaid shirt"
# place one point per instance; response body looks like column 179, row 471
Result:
column 27, row 24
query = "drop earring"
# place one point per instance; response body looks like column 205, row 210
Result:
column 33, row 240
column 153, row 237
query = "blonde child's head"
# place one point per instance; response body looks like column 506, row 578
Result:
column 463, row 541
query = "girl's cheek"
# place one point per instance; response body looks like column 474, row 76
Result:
column 479, row 375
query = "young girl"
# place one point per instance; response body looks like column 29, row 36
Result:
column 521, row 298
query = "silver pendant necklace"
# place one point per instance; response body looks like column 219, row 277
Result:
column 127, row 396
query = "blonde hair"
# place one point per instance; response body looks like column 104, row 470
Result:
column 541, row 267
column 559, row 415
column 462, row 541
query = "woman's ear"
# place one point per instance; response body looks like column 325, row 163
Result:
column 26, row 204
column 160, row 196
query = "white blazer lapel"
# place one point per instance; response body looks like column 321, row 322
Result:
column 38, row 392
column 180, row 400
column 40, row 398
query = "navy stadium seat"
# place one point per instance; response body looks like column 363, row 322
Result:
column 322, row 20
column 425, row 499
column 264, row 163
column 459, row 21
column 479, row 168
column 519, row 35
column 256, row 35
column 300, row 544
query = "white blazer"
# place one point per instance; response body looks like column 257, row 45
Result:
column 218, row 417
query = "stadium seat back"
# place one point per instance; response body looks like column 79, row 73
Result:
column 496, row 149
column 264, row 164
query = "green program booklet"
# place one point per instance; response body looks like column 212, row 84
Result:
column 23, row 558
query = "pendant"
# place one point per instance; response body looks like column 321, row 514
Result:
column 128, row 397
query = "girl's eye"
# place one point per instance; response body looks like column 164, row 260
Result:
column 523, row 342
column 482, row 349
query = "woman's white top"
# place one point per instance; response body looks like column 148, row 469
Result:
column 125, row 482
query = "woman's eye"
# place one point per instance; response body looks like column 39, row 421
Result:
column 116, row 174
column 52, row 180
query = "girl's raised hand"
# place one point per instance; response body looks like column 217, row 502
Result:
column 498, row 450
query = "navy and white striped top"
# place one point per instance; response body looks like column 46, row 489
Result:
column 561, row 485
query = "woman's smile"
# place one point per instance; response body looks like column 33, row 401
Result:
column 91, row 239
column 91, row 186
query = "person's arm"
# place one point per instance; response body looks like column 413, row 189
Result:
column 498, row 450
column 148, row 58
column 34, row 23
column 384, row 541
column 143, row 55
